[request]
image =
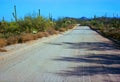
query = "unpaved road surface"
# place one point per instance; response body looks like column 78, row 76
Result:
column 81, row 55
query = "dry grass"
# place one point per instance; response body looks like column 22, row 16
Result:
column 3, row 42
column 51, row 32
column 56, row 32
column 35, row 36
column 12, row 40
column 40, row 35
column 2, row 50
column 26, row 37
column 70, row 26
column 46, row 34
column 62, row 29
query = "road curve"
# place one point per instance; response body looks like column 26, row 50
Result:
column 81, row 55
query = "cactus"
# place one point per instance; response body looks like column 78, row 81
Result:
column 95, row 16
column 50, row 16
column 113, row 15
column 3, row 19
column 105, row 15
column 15, row 13
column 38, row 12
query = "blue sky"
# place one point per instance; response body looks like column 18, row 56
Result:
column 60, row 8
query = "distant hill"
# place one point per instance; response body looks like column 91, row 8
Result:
column 84, row 18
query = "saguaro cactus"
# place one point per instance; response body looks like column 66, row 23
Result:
column 3, row 19
column 95, row 17
column 15, row 13
column 50, row 16
column 38, row 12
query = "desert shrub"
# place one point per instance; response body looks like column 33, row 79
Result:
column 12, row 40
column 39, row 23
column 62, row 29
column 26, row 37
column 3, row 25
column 3, row 50
column 46, row 34
column 13, row 27
column 27, row 24
column 64, row 23
column 109, row 27
column 70, row 26
column 52, row 31
column 3, row 42
column 36, row 24
column 40, row 35
column 35, row 36
column 115, row 34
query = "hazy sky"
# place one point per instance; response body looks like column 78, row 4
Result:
column 60, row 8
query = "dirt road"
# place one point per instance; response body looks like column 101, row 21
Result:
column 81, row 55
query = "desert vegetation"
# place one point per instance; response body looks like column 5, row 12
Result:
column 31, row 27
column 107, row 26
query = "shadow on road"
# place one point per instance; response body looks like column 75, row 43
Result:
column 89, row 70
column 105, row 59
column 98, row 63
column 98, row 46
